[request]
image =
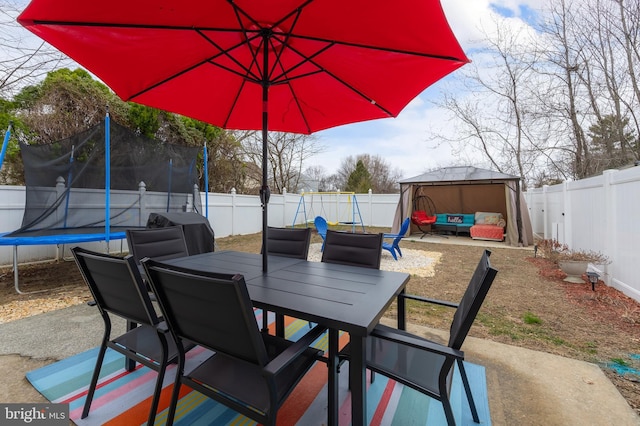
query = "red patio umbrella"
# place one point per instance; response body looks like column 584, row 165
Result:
column 286, row 65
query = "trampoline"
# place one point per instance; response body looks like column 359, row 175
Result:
column 94, row 185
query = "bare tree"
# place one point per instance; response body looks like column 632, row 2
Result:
column 24, row 59
column 384, row 179
column 591, row 64
column 531, row 97
column 287, row 154
column 496, row 114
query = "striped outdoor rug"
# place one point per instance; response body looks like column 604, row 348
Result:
column 124, row 398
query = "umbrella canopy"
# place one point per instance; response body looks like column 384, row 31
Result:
column 286, row 65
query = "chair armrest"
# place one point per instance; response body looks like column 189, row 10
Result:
column 427, row 300
column 162, row 326
column 292, row 352
column 402, row 337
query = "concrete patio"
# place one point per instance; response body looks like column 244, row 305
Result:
column 524, row 386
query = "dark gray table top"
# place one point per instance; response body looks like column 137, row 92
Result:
column 347, row 298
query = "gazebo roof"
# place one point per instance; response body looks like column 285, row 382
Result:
column 459, row 174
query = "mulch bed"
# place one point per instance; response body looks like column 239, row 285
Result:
column 604, row 304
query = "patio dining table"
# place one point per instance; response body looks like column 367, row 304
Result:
column 340, row 297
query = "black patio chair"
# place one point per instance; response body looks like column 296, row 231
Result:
column 347, row 248
column 286, row 242
column 118, row 289
column 289, row 242
column 427, row 366
column 250, row 372
column 157, row 243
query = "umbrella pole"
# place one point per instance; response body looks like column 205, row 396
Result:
column 265, row 192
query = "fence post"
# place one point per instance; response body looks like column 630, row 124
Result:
column 610, row 221
column 567, row 215
column 142, row 190
column 60, row 188
column 545, row 212
column 370, row 192
column 284, row 208
column 233, row 210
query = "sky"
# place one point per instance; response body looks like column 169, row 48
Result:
column 404, row 142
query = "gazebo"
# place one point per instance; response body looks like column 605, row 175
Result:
column 466, row 190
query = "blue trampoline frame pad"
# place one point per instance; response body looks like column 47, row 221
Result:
column 44, row 240
column 58, row 239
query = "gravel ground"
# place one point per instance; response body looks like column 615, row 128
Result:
column 415, row 262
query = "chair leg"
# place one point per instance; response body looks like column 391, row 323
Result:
column 130, row 363
column 265, row 321
column 94, row 378
column 448, row 412
column 467, row 389
column 158, row 388
column 173, row 405
column 398, row 249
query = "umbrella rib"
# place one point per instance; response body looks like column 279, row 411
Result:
column 305, row 60
column 225, row 52
column 181, row 72
column 163, row 81
column 345, row 84
column 254, row 52
column 183, row 28
column 285, row 41
column 129, row 25
column 380, row 48
column 297, row 101
column 235, row 101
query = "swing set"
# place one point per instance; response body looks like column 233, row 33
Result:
column 338, row 208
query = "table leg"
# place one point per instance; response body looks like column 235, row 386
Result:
column 130, row 364
column 357, row 380
column 402, row 311
column 280, row 325
column 332, row 380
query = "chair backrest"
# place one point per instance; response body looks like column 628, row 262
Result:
column 211, row 310
column 403, row 230
column 353, row 249
column 472, row 300
column 289, row 242
column 116, row 285
column 157, row 243
column 321, row 226
column 423, row 202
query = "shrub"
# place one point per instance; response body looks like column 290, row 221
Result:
column 557, row 252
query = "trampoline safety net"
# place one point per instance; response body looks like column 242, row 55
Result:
column 65, row 182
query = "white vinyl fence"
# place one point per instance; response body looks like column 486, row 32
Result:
column 601, row 213
column 229, row 214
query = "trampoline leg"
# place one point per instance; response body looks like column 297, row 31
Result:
column 16, row 283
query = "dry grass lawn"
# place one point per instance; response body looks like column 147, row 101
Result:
column 529, row 305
